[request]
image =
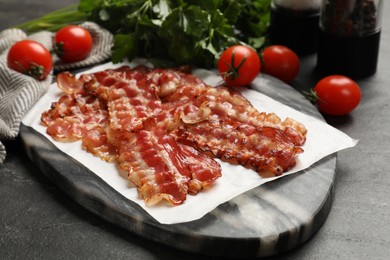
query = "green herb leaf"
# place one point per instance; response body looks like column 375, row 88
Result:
column 125, row 46
column 87, row 6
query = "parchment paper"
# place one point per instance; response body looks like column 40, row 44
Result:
column 322, row 140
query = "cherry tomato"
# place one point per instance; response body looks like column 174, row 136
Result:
column 30, row 58
column 73, row 43
column 280, row 62
column 239, row 65
column 337, row 95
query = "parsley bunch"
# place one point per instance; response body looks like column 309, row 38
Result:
column 173, row 32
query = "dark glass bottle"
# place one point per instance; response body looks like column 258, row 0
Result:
column 295, row 24
column 349, row 37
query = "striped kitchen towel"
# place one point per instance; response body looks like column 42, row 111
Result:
column 19, row 92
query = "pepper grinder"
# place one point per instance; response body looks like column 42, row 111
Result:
column 294, row 23
column 349, row 37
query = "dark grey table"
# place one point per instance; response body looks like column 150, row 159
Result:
column 38, row 221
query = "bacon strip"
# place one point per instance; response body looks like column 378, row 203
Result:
column 154, row 161
column 161, row 168
column 225, row 102
column 262, row 149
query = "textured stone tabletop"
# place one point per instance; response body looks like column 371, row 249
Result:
column 39, row 221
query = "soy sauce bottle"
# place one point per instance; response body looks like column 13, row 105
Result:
column 349, row 37
column 295, row 24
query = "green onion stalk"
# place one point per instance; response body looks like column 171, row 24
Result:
column 54, row 21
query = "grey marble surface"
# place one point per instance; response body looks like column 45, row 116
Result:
column 267, row 220
column 39, row 221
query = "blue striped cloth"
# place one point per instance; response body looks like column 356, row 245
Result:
column 19, row 92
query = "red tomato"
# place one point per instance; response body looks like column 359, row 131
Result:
column 280, row 62
column 73, row 43
column 337, row 95
column 30, row 58
column 239, row 65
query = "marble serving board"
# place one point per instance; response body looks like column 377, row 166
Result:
column 267, row 220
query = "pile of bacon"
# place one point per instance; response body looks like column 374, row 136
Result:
column 165, row 127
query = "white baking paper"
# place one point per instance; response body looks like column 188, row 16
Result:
column 322, row 140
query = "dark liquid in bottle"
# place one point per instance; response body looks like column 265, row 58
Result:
column 297, row 30
column 352, row 56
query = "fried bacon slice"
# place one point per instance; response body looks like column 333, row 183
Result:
column 73, row 115
column 161, row 168
column 259, row 148
column 164, row 127
column 225, row 102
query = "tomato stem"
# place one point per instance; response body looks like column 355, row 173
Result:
column 58, row 48
column 233, row 71
column 35, row 70
column 311, row 96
